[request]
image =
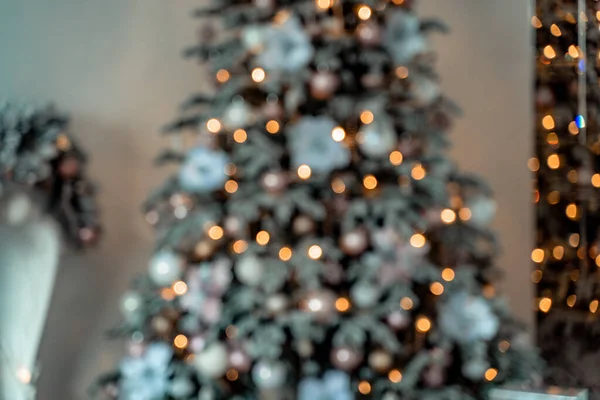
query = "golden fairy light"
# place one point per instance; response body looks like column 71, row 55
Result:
column 491, row 374
column 464, row 213
column 558, row 252
column 571, row 211
column 304, row 171
column 552, row 139
column 396, row 158
column 594, row 306
column 231, row 331
column 232, row 375
column 553, row 161
column 553, row 197
column 574, row 239
column 555, row 30
column 402, row 72
column 223, row 75
column 448, row 216
column 597, row 259
column 364, row 12
column 180, row 341
column 364, row 387
column 418, row 172
column 338, row 186
column 549, row 52
column 395, row 376
column 315, row 252
column 573, row 51
column 571, row 300
column 272, row 127
column 263, row 238
column 417, row 240
column 545, row 304
column 342, row 304
column 167, row 294
column 240, row 246
column 231, row 186
column 285, row 254
column 230, row 169
column 436, row 288
column 370, row 182
column 324, row 4
column 548, row 122
column 536, row 22
column 366, row 117
column 573, row 128
column 63, row 142
column 537, row 255
column 533, row 164
column 503, row 346
column 24, row 375
column 213, row 125
column 240, row 136
column 572, row 176
column 338, row 133
column 215, row 232
column 536, row 276
column 180, row 288
column 448, row 274
column 596, row 180
column 406, row 303
column 423, row 324
column 258, row 75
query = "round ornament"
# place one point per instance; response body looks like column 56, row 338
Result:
column 377, row 139
column 380, row 361
column 323, row 85
column 434, row 376
column 165, row 268
column 320, row 303
column 365, row 294
column 303, row 225
column 269, row 374
column 212, row 361
column 483, row 210
column 161, row 325
column 233, row 226
column 249, row 270
column 236, row 115
column 277, row 303
column 368, row 34
column 239, row 360
column 354, row 242
column 131, row 304
column 346, row 358
column 475, row 369
column 398, row 320
column 274, row 182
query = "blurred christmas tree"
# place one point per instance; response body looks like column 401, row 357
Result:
column 567, row 158
column 316, row 242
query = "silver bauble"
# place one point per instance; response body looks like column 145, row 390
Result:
column 237, row 115
column 354, row 242
column 303, row 225
column 277, row 303
column 346, row 358
column 380, row 361
column 369, row 34
column 398, row 320
column 483, row 210
column 377, row 139
column 233, row 226
column 240, row 360
column 269, row 374
column 212, row 362
column 365, row 294
column 249, row 270
column 323, row 85
column 274, row 182
column 165, row 268
column 475, row 369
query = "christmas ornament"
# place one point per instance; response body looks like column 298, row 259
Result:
column 249, row 270
column 346, row 358
column 466, row 319
column 212, row 361
column 277, row 303
column 131, row 304
column 161, row 325
column 237, row 115
column 475, row 369
column 274, row 182
column 147, row 376
column 311, row 144
column 365, row 294
column 403, row 38
column 377, row 139
column 434, row 376
column 240, row 360
column 335, row 385
column 368, row 34
column 323, row 84
column 233, row 226
column 483, row 210
column 398, row 320
column 269, row 374
column 165, row 268
column 303, row 225
column 354, row 242
column 203, row 170
column 320, row 303
column 425, row 90
column 285, row 47
column 380, row 361
column 305, row 348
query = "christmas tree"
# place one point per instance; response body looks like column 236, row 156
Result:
column 316, row 242
column 566, row 168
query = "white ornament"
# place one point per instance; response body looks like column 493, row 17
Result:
column 269, row 374
column 364, row 294
column 165, row 268
column 212, row 361
column 277, row 303
column 236, row 115
column 131, row 304
column 483, row 210
column 249, row 270
column 377, row 139
column 203, row 170
column 467, row 319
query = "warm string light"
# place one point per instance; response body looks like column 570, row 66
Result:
column 545, row 304
column 180, row 341
column 491, row 374
column 573, row 128
column 213, row 125
column 594, row 306
column 240, row 246
column 304, row 171
column 418, row 172
column 448, row 216
column 395, row 376
column 272, row 127
column 448, row 274
column 571, row 211
column 240, row 136
column 231, row 186
column 324, row 4
column 558, row 252
column 364, row 387
column 338, row 134
column 396, row 158
column 285, row 254
column 180, row 288
column 571, row 300
column 417, row 240
column 555, row 30
column 549, row 52
column 535, row 21
column 366, row 117
column 436, row 288
column 402, row 72
column 574, row 239
column 423, row 324
column 342, row 304
column 406, row 303
column 536, row 276
column 24, row 375
column 232, row 375
column 464, row 214
column 537, row 255
column 364, row 12
column 338, row 186
column 262, row 238
column 258, row 75
column 223, row 75
column 215, row 232
column 533, row 164
column 370, row 182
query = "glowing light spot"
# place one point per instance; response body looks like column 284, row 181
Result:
column 448, row 216
column 240, row 246
column 285, row 254
column 417, row 240
column 555, row 30
column 545, row 304
column 240, row 136
column 549, row 52
column 574, row 239
column 167, row 294
column 436, row 288
column 553, row 197
column 215, row 232
column 573, row 129
column 580, row 121
column 223, row 75
column 315, row 252
column 448, row 274
column 342, row 304
column 364, row 387
column 304, row 171
column 535, row 21
column 180, row 341
column 364, row 12
column 24, row 375
column 395, row 376
column 553, row 161
column 338, row 134
column 263, row 238
column 366, row 117
column 232, row 375
column 594, row 306
column 258, row 75
column 315, row 305
column 533, row 164
column 552, row 139
column 536, row 276
column 490, row 374
column 503, row 346
column 231, row 331
column 406, row 303
column 272, row 127
column 63, row 142
column 370, row 182
column 402, row 72
column 180, row 288
column 338, row 186
column 573, row 52
column 571, row 211
column 423, row 324
column 558, row 252
column 324, row 4
column 596, row 180
column 213, row 125
column 464, row 213
column 230, row 169
column 537, row 255
column 571, row 300
column 231, row 186
column 396, row 158
column 418, row 172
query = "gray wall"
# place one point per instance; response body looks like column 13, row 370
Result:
column 115, row 66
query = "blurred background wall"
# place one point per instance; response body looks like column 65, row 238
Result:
column 116, row 67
